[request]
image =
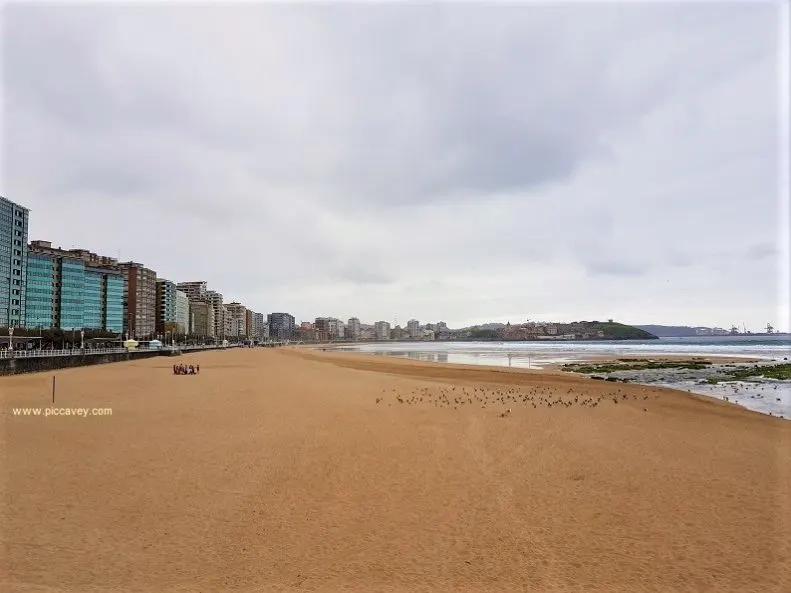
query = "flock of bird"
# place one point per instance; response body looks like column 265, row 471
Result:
column 752, row 391
column 500, row 399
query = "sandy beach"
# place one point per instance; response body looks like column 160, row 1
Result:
column 297, row 470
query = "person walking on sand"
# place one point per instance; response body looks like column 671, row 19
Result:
column 197, row 369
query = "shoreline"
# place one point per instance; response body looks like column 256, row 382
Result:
column 749, row 399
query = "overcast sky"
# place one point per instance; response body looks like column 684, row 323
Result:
column 465, row 163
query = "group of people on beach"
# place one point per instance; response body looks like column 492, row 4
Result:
column 184, row 369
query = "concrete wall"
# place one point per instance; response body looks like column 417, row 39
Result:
column 37, row 364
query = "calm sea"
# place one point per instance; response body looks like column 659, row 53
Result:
column 539, row 354
column 767, row 397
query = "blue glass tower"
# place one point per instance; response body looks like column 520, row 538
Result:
column 40, row 306
column 13, row 263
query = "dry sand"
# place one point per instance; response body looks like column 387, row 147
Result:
column 278, row 470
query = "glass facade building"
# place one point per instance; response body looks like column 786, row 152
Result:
column 72, row 294
column 93, row 299
column 13, row 263
column 71, row 290
column 40, row 305
column 114, row 303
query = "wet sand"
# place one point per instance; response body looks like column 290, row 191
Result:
column 296, row 470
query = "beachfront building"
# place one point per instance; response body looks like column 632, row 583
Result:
column 214, row 299
column 194, row 289
column 197, row 290
column 201, row 319
column 237, row 322
column 257, row 325
column 182, row 313
column 353, row 328
column 13, row 263
column 413, row 329
column 140, row 300
column 40, row 297
column 73, row 290
column 166, row 307
column 336, row 328
column 382, row 330
column 282, row 326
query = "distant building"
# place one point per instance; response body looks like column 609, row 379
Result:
column 413, row 329
column 353, row 328
column 336, row 328
column 201, row 319
column 322, row 329
column 140, row 300
column 282, row 326
column 197, row 290
column 194, row 290
column 237, row 321
column 214, row 298
column 382, row 330
column 182, row 313
column 13, row 263
column 73, row 290
column 166, row 307
column 259, row 323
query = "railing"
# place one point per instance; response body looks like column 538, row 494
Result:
column 4, row 353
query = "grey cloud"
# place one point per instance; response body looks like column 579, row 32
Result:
column 397, row 145
column 761, row 251
column 616, row 268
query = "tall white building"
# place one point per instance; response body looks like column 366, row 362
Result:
column 382, row 329
column 182, row 313
column 413, row 329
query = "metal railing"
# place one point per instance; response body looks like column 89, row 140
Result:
column 5, row 353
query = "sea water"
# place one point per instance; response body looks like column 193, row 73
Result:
column 767, row 397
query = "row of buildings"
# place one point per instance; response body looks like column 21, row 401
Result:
column 329, row 329
column 45, row 287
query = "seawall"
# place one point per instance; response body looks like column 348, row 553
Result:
column 38, row 364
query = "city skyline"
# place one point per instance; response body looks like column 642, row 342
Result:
column 492, row 164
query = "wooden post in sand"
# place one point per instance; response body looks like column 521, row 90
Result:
column 53, row 389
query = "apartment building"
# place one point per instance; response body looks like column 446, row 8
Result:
column 413, row 329
column 166, row 307
column 13, row 263
column 382, row 330
column 182, row 313
column 215, row 300
column 237, row 319
column 197, row 290
column 258, row 323
column 201, row 319
column 73, row 289
column 140, row 300
column 194, row 290
column 353, row 328
column 282, row 326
